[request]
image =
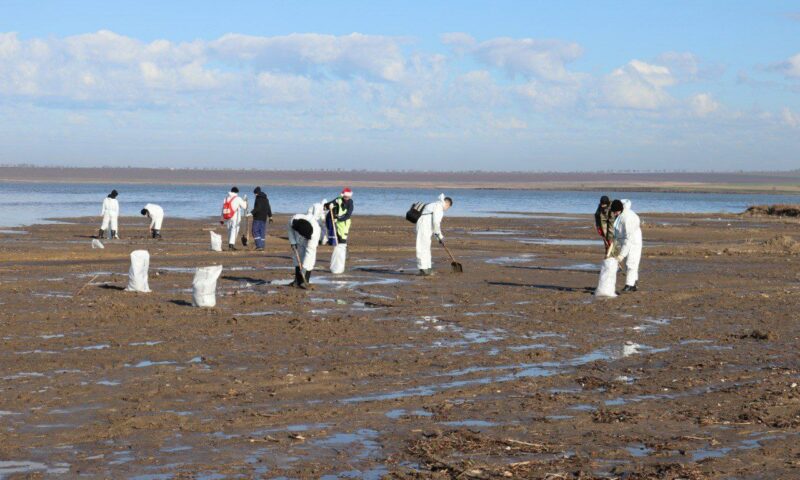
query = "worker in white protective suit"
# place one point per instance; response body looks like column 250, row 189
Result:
column 428, row 225
column 232, row 208
column 156, row 215
column 110, row 213
column 628, row 236
column 305, row 231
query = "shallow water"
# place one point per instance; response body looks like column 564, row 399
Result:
column 53, row 200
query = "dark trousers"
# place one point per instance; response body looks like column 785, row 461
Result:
column 259, row 232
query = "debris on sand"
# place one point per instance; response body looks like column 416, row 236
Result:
column 774, row 210
column 783, row 243
column 757, row 335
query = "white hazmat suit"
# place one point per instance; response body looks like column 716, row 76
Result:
column 429, row 224
column 306, row 247
column 628, row 235
column 232, row 224
column 156, row 214
column 110, row 213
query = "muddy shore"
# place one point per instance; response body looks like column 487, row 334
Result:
column 509, row 370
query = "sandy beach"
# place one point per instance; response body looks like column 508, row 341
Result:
column 511, row 369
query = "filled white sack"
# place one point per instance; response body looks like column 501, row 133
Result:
column 338, row 258
column 137, row 276
column 97, row 243
column 216, row 242
column 204, row 286
column 608, row 278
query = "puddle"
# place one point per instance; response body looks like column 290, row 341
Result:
column 496, row 232
column 583, row 267
column 263, row 314
column 109, row 383
column 13, row 232
column 101, row 346
column 10, row 467
column 53, row 295
column 146, row 344
column 364, row 437
column 55, row 335
column 470, row 423
column 399, row 413
column 525, row 258
column 638, row 450
column 582, row 407
column 533, row 346
column 339, row 283
column 560, row 241
column 23, row 375
column 148, row 363
column 555, row 418
column 543, row 369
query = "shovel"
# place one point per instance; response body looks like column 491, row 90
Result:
column 299, row 280
column 456, row 267
column 246, row 227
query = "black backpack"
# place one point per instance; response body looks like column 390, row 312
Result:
column 413, row 213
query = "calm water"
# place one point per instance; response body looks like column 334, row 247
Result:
column 27, row 203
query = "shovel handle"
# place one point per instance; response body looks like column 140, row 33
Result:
column 447, row 250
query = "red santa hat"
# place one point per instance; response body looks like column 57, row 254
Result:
column 347, row 193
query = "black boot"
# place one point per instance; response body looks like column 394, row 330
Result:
column 308, row 276
column 231, row 247
column 630, row 288
column 156, row 233
column 102, row 234
column 114, row 234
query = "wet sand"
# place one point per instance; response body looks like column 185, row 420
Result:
column 509, row 370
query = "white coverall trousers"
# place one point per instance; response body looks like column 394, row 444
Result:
column 632, row 265
column 233, row 229
column 306, row 249
column 109, row 220
column 424, row 234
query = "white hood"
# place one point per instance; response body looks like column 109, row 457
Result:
column 626, row 204
column 317, row 211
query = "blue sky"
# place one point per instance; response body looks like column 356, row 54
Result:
column 458, row 85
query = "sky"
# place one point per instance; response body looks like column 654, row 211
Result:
column 406, row 85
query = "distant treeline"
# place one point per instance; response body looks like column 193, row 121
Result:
column 204, row 175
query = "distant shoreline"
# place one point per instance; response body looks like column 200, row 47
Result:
column 677, row 182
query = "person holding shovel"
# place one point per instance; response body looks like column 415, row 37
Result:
column 605, row 224
column 156, row 215
column 304, row 234
column 428, row 225
column 338, row 220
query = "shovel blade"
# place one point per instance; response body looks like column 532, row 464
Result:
column 457, row 268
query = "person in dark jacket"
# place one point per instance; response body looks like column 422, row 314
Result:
column 262, row 213
column 604, row 222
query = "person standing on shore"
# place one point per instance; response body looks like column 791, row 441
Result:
column 604, row 223
column 628, row 235
column 156, row 215
column 338, row 220
column 428, row 225
column 232, row 215
column 110, row 213
column 262, row 213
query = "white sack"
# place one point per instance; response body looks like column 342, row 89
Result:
column 216, row 242
column 338, row 258
column 608, row 279
column 204, row 286
column 137, row 276
column 97, row 243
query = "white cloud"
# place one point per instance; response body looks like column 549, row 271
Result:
column 638, row 85
column 790, row 67
column 703, row 104
column 528, row 57
column 281, row 88
column 790, row 118
column 688, row 67
column 354, row 54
